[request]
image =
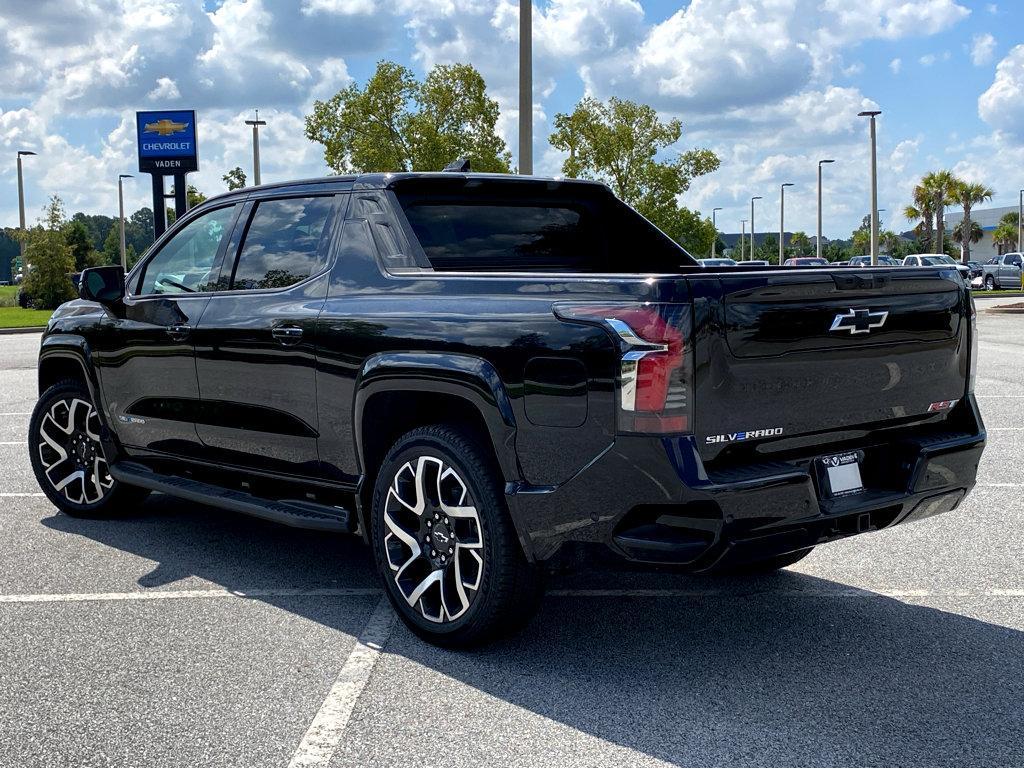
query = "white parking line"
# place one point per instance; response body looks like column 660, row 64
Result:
column 21, row 494
column 16, row 414
column 12, row 443
column 325, row 733
column 164, row 595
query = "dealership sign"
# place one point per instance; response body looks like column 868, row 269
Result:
column 167, row 142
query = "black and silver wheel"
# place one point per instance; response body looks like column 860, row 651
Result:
column 444, row 543
column 990, row 283
column 67, row 455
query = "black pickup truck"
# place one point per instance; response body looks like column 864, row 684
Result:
column 485, row 376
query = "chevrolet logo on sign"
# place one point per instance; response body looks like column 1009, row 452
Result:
column 859, row 321
column 165, row 127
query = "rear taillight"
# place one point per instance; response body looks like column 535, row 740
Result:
column 655, row 375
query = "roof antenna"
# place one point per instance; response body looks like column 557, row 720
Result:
column 460, row 166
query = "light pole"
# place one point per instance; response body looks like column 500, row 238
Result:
column 820, row 162
column 756, row 197
column 743, row 235
column 874, row 186
column 526, row 87
column 256, row 145
column 120, row 208
column 713, row 224
column 782, row 221
column 1020, row 222
column 21, row 203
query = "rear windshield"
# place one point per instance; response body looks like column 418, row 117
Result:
column 527, row 227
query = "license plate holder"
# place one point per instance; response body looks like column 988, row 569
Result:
column 839, row 474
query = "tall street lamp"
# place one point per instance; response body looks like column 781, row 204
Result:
column 120, row 207
column 715, row 225
column 874, row 185
column 256, row 145
column 743, row 235
column 21, row 202
column 1020, row 222
column 756, row 197
column 820, row 162
column 526, row 87
column 782, row 221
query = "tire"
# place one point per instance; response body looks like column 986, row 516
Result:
column 767, row 565
column 68, row 459
column 444, row 542
column 990, row 283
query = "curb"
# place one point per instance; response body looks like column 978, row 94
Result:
column 1005, row 310
column 982, row 294
column 23, row 330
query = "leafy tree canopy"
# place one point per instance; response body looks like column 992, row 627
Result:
column 397, row 123
column 51, row 260
column 235, row 178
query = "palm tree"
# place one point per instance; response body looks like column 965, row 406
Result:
column 967, row 194
column 939, row 185
column 922, row 209
column 975, row 229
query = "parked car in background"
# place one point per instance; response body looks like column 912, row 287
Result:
column 883, row 261
column 938, row 260
column 1002, row 271
column 721, row 261
column 806, row 261
column 756, row 262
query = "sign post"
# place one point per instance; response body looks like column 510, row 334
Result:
column 167, row 147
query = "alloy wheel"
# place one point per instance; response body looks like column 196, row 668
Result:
column 71, row 453
column 433, row 540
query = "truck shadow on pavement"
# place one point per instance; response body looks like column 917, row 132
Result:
column 786, row 669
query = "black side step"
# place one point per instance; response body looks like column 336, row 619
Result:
column 297, row 513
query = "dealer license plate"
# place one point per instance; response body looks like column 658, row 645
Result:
column 841, row 473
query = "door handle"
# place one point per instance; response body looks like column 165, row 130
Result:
column 287, row 334
column 179, row 332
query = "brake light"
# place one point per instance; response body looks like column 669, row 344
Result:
column 654, row 371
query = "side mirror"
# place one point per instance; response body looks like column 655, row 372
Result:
column 102, row 284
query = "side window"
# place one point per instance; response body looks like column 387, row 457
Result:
column 1015, row 260
column 285, row 243
column 993, row 260
column 371, row 208
column 186, row 263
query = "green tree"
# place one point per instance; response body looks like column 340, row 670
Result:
column 967, row 194
column 692, row 231
column 619, row 142
column 193, row 197
column 965, row 225
column 1006, row 232
column 48, row 280
column 397, row 123
column 139, row 229
column 939, row 186
column 76, row 235
column 800, row 243
column 235, row 178
column 111, row 253
column 861, row 242
column 922, row 209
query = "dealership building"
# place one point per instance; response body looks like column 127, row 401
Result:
column 988, row 219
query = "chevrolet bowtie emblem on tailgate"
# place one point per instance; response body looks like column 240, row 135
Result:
column 859, row 321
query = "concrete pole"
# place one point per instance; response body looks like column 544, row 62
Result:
column 782, row 222
column 526, row 87
column 256, row 146
column 1020, row 223
column 120, row 208
column 743, row 236
column 21, row 204
column 820, row 162
column 715, row 225
column 874, row 185
column 752, row 241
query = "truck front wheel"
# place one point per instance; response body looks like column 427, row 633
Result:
column 444, row 543
column 68, row 459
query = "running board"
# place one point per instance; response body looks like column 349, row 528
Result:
column 297, row 513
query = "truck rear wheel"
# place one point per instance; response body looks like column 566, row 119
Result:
column 68, row 458
column 444, row 543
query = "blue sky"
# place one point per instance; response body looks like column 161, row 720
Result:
column 770, row 85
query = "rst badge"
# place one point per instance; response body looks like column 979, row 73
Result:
column 859, row 321
column 768, row 432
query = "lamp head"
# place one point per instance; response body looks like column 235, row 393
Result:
column 25, row 152
column 869, row 113
column 825, row 161
column 756, row 197
column 125, row 176
column 787, row 184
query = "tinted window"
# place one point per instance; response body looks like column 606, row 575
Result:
column 186, row 263
column 284, row 243
column 556, row 227
column 1015, row 260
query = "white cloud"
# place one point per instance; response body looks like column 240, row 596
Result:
column 896, row 65
column 927, row 60
column 982, row 49
column 1002, row 105
column 166, row 88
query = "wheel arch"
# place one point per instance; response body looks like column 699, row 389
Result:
column 398, row 392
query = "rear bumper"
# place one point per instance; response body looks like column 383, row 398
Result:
column 652, row 501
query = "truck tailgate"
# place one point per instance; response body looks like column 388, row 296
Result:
column 786, row 354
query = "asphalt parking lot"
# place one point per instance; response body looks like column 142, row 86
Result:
column 184, row 635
